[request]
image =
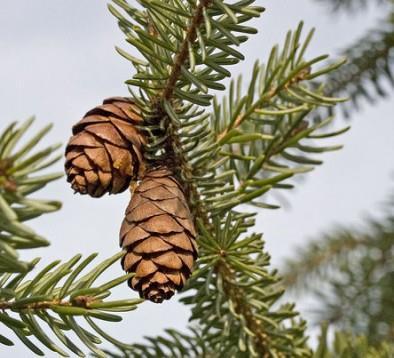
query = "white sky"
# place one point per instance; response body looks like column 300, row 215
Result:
column 57, row 61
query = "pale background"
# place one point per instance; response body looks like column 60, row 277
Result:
column 57, row 61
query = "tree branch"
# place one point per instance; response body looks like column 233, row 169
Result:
column 264, row 99
column 242, row 307
column 182, row 54
column 79, row 301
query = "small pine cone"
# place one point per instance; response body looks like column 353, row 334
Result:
column 159, row 236
column 105, row 152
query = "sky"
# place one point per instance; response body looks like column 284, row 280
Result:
column 57, row 61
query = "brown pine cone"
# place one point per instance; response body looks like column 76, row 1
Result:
column 105, row 152
column 159, row 236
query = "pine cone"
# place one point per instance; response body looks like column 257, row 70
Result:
column 159, row 236
column 105, row 152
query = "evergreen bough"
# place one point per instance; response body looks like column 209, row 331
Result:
column 227, row 153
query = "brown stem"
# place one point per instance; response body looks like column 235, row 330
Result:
column 179, row 160
column 241, row 307
column 182, row 55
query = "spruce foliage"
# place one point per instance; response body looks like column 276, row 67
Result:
column 227, row 153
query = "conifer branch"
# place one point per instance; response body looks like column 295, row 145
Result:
column 185, row 137
column 347, row 344
column 369, row 69
column 351, row 5
column 264, row 100
column 361, row 259
column 243, row 308
column 83, row 301
column 240, row 119
column 316, row 259
column 370, row 65
column 222, row 160
column 264, row 139
column 18, row 167
column 182, row 56
column 235, row 293
column 25, row 304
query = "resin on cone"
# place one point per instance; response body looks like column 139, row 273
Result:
column 159, row 237
column 105, row 152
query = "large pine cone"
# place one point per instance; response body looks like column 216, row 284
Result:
column 105, row 152
column 159, row 236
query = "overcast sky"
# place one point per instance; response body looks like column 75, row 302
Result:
column 57, row 61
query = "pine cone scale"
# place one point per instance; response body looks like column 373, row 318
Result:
column 107, row 132
column 181, row 241
column 126, row 131
column 158, row 193
column 173, row 206
column 144, row 211
column 162, row 224
column 107, row 109
column 84, row 140
column 121, row 159
column 145, row 268
column 170, row 183
column 168, row 260
column 82, row 162
column 124, row 104
column 138, row 200
column 145, row 186
column 188, row 225
column 105, row 179
column 99, row 156
column 151, row 245
column 130, row 111
column 87, row 121
column 130, row 261
column 130, row 240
